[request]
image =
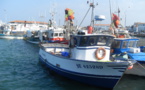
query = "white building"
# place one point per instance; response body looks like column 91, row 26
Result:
column 1, row 26
column 22, row 26
column 138, row 27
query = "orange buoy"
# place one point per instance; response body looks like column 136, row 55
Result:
column 90, row 29
column 130, row 67
column 121, row 36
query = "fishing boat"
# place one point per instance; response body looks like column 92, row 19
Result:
column 2, row 36
column 52, row 35
column 85, row 59
column 127, row 48
column 6, row 35
column 55, row 35
column 32, row 37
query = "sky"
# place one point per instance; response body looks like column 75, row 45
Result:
column 131, row 11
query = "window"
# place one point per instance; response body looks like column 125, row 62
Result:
column 55, row 34
column 92, row 41
column 116, row 44
column 124, row 45
column 136, row 44
column 60, row 34
column 110, row 41
column 51, row 34
column 131, row 44
column 102, row 41
column 83, row 41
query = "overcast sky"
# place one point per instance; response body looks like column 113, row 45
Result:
column 39, row 10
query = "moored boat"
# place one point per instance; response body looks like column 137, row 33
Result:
column 126, row 48
column 4, row 36
column 86, row 59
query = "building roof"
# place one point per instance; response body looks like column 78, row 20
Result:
column 30, row 22
column 139, row 23
column 102, row 24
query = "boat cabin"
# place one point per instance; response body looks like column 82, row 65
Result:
column 121, row 45
column 90, row 47
column 128, row 49
column 55, row 35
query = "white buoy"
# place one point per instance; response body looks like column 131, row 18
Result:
column 99, row 17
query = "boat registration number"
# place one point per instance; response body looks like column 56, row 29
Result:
column 89, row 66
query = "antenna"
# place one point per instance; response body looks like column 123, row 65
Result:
column 52, row 13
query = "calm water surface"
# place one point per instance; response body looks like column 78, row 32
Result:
column 20, row 70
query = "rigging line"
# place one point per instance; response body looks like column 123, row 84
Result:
column 84, row 16
column 138, row 70
column 141, row 65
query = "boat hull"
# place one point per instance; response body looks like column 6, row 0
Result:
column 94, row 73
column 33, row 42
column 10, row 37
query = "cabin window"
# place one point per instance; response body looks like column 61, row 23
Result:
column 102, row 41
column 124, row 44
column 110, row 41
column 92, row 41
column 55, row 34
column 132, row 44
column 136, row 44
column 83, row 41
column 60, row 34
column 73, row 42
column 116, row 44
column 52, row 35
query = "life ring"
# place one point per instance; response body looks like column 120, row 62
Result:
column 99, row 57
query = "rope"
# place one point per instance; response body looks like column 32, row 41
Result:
column 141, row 65
column 138, row 70
column 84, row 16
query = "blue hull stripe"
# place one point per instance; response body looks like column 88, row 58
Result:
column 97, row 80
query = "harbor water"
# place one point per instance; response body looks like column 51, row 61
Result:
column 20, row 69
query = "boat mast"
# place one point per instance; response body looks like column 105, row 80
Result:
column 52, row 20
column 110, row 11
column 92, row 16
column 118, row 12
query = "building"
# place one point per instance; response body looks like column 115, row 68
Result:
column 21, row 26
column 138, row 27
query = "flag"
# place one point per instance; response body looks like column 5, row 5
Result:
column 115, row 19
